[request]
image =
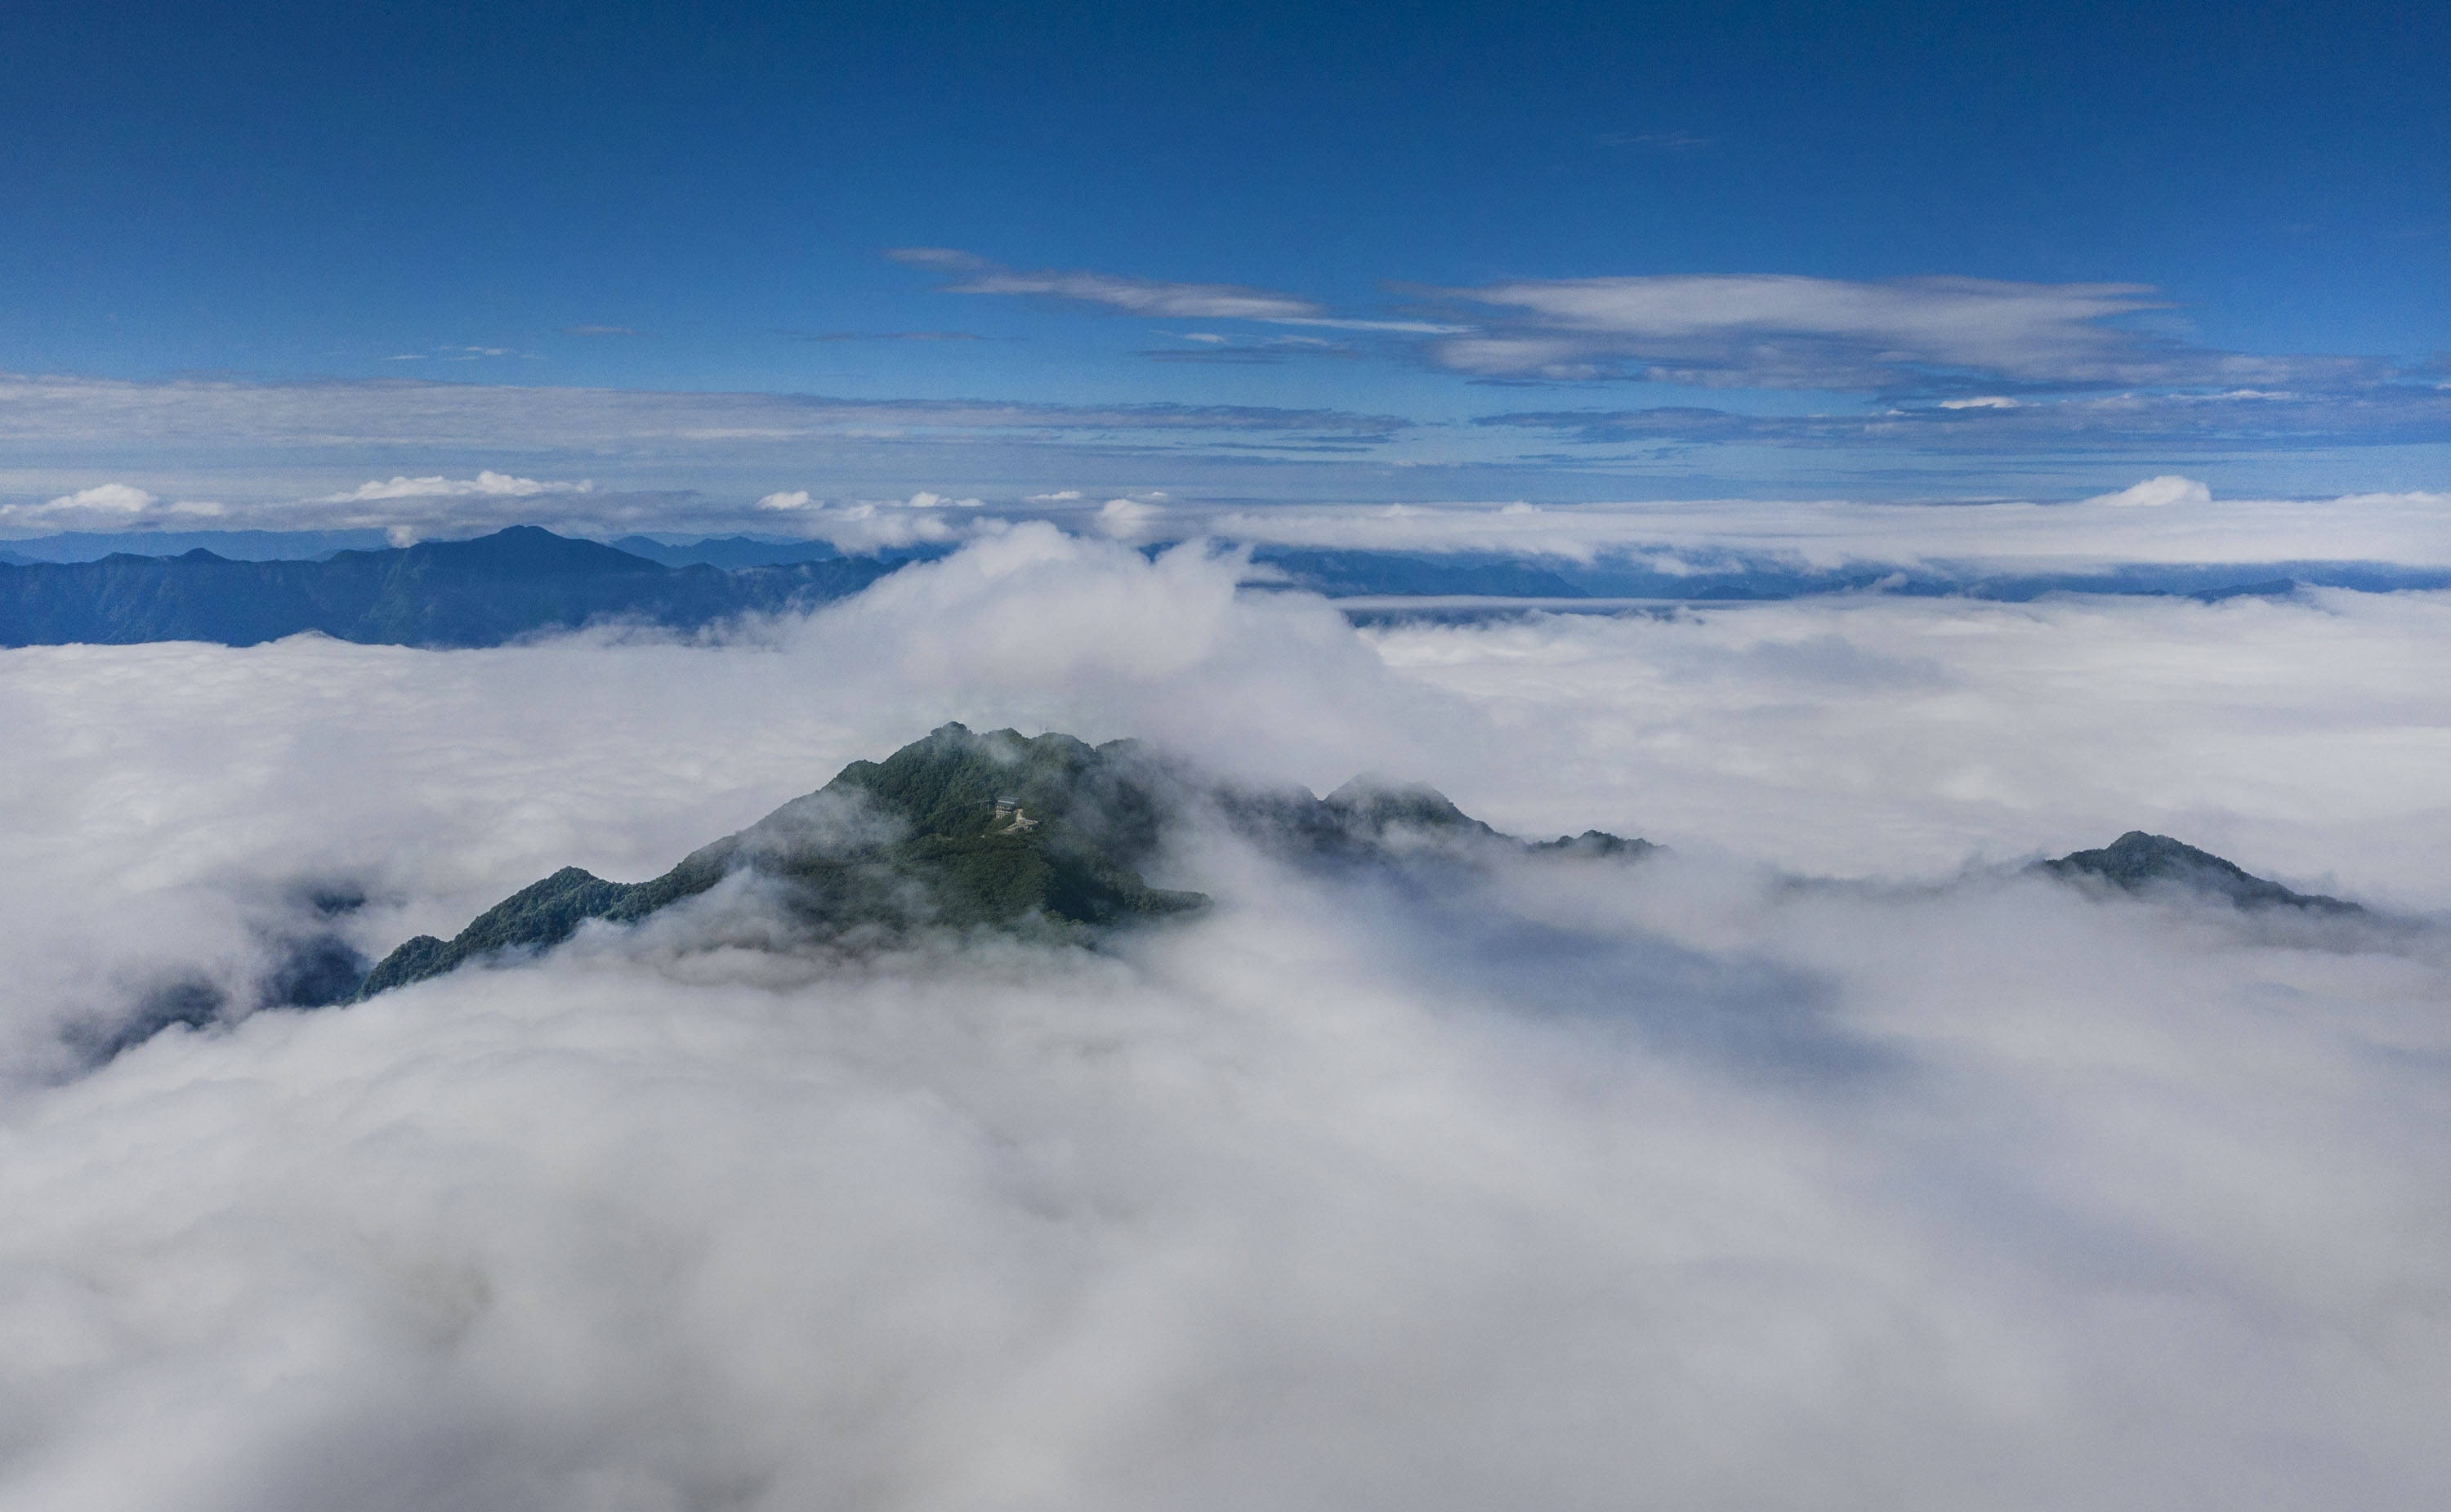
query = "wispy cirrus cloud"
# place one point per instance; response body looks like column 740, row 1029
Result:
column 470, row 354
column 1654, row 141
column 1787, row 332
column 973, row 274
column 1927, row 337
column 884, row 336
column 1209, row 346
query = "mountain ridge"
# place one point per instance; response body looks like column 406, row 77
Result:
column 1048, row 836
column 444, row 594
column 1043, row 836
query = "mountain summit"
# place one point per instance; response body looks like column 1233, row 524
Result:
column 2138, row 862
column 1047, row 837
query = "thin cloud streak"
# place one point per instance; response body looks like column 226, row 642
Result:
column 2383, row 414
column 1137, row 296
column 229, row 413
column 1154, row 297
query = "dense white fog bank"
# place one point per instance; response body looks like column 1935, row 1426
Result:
column 1586, row 1184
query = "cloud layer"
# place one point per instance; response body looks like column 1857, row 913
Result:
column 2168, row 518
column 1669, row 1183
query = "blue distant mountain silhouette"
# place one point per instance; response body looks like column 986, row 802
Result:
column 446, row 593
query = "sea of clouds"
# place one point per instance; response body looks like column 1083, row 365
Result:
column 1675, row 1184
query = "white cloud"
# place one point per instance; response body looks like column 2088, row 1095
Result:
column 109, row 506
column 122, row 498
column 484, row 486
column 1128, row 518
column 2155, row 493
column 1665, row 1185
column 874, row 524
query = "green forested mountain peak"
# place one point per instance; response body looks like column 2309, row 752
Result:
column 1046, row 835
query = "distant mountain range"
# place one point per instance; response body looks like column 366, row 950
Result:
column 241, row 587
column 238, row 545
column 463, row 592
column 314, row 545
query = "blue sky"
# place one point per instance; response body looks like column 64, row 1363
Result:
column 1557, row 252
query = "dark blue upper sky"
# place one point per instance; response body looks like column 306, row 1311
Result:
column 1537, row 232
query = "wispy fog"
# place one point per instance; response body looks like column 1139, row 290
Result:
column 1571, row 1184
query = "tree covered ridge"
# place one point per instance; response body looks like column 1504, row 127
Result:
column 1046, row 836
